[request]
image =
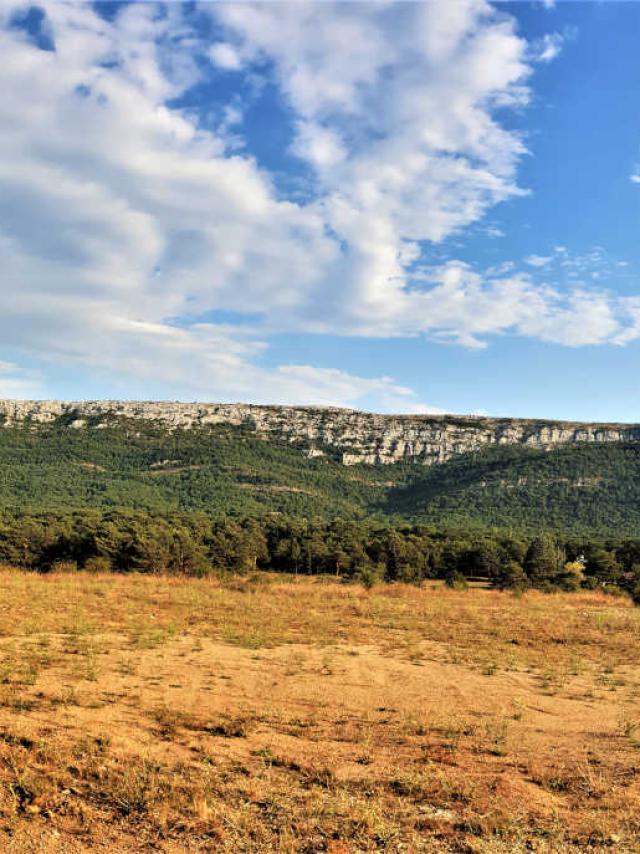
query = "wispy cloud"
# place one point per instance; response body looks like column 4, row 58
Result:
column 538, row 260
column 548, row 47
column 19, row 382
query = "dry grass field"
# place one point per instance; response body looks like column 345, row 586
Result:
column 275, row 714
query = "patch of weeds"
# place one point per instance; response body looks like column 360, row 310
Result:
column 519, row 707
column 130, row 787
column 68, row 697
column 557, row 784
column 295, row 663
column 264, row 753
column 411, row 725
column 150, row 636
column 90, row 746
column 17, row 740
column 489, row 668
column 168, row 720
column 8, row 665
column 91, row 669
column 234, row 727
column 297, row 727
column 453, row 730
column 411, row 784
column 15, row 701
column 550, row 680
column 76, row 637
column 126, row 666
column 513, row 661
column 496, row 736
column 30, row 670
column 627, row 727
column 247, row 640
column 456, row 790
column 575, row 666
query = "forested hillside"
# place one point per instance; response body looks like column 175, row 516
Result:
column 592, row 489
column 220, row 470
column 229, row 471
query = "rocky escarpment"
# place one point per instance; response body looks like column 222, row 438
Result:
column 350, row 435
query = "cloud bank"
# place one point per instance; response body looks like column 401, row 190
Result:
column 129, row 221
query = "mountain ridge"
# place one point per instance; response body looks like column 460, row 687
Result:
column 352, row 436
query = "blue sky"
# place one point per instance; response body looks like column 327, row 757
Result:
column 411, row 207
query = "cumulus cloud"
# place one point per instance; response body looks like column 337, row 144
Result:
column 127, row 222
column 411, row 86
column 118, row 213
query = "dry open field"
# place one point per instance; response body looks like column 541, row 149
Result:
column 271, row 714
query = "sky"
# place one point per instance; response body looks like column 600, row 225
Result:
column 412, row 207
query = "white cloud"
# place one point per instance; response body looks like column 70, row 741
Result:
column 548, row 48
column 584, row 318
column 18, row 382
column 631, row 331
column 501, row 268
column 331, row 386
column 538, row 260
column 319, row 145
column 412, row 91
column 118, row 213
column 122, row 214
column 225, row 56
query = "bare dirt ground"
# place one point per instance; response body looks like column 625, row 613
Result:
column 270, row 714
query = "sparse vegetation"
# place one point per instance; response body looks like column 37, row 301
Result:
column 280, row 713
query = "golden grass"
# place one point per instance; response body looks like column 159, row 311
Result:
column 301, row 715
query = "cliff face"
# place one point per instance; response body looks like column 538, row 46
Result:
column 354, row 437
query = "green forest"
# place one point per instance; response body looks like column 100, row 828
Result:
column 193, row 544
column 135, row 496
column 229, row 471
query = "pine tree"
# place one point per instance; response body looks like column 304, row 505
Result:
column 541, row 561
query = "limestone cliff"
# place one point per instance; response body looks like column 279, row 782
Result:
column 350, row 435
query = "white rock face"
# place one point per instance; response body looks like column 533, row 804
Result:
column 356, row 437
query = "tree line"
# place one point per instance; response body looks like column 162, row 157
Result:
column 193, row 544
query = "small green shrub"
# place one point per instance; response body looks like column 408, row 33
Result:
column 369, row 575
column 456, row 581
column 511, row 576
column 98, row 564
column 64, row 566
